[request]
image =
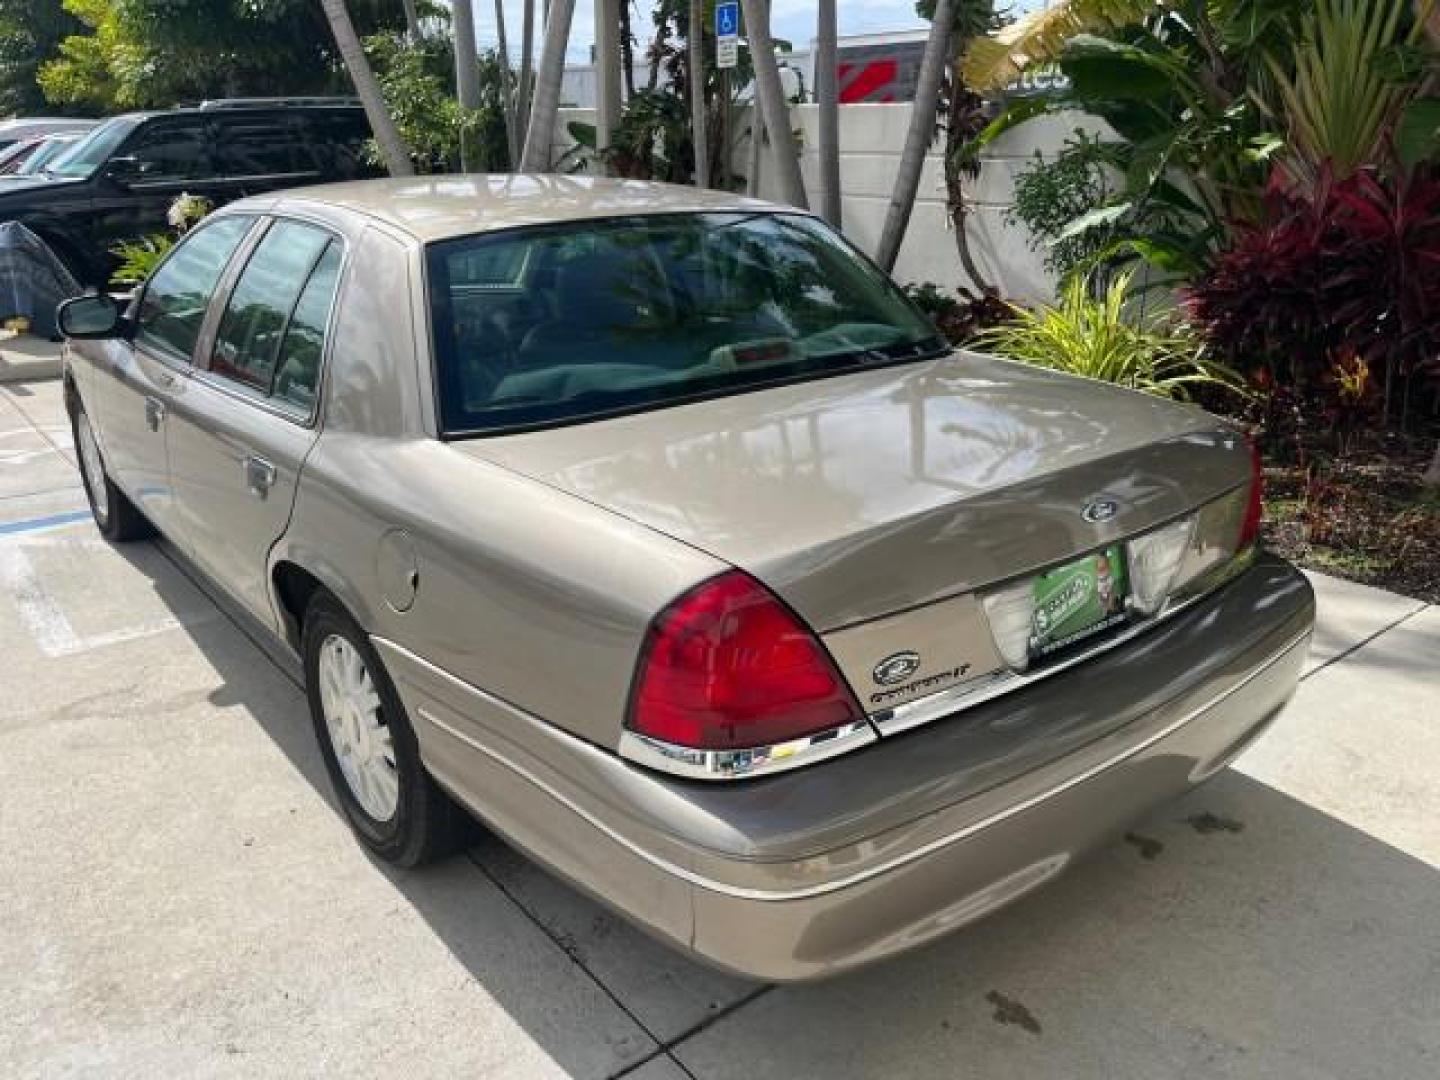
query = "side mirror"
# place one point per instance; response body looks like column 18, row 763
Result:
column 92, row 316
column 123, row 170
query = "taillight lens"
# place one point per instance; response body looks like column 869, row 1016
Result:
column 728, row 667
column 1250, row 524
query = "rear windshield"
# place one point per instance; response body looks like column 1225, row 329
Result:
column 559, row 323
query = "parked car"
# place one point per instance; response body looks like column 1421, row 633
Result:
column 29, row 127
column 119, row 181
column 29, row 156
column 655, row 527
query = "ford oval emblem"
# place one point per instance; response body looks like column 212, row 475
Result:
column 1099, row 511
column 896, row 668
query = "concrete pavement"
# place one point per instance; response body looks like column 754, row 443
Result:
column 180, row 896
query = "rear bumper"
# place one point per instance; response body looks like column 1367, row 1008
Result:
column 815, row 872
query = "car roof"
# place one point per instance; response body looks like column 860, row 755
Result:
column 431, row 208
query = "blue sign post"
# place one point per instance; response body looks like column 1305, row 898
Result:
column 727, row 34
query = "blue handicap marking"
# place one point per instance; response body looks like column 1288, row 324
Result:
column 727, row 20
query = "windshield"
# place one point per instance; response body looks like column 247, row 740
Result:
column 560, row 322
column 82, row 158
column 43, row 154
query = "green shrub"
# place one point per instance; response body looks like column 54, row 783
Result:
column 138, row 258
column 1097, row 339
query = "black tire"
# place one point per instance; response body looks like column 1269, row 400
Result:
column 115, row 515
column 426, row 823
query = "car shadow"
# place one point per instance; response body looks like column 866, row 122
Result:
column 1237, row 932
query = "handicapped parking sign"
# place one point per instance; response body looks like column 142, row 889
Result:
column 727, row 20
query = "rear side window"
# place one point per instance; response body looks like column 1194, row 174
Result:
column 248, row 343
column 174, row 302
column 264, row 144
column 298, row 371
column 336, row 142
column 272, row 334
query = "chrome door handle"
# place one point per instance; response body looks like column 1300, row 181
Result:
column 154, row 413
column 259, row 475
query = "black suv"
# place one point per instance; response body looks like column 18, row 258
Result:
column 118, row 182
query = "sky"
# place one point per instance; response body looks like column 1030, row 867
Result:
column 792, row 20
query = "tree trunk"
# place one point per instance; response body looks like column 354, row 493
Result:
column 526, row 92
column 698, row 134
column 627, row 50
column 509, row 99
column 367, row 88
column 1431, row 479
column 757, row 147
column 959, row 130
column 827, row 95
column 467, row 70
column 536, row 155
column 607, row 73
column 917, row 139
column 412, row 20
column 773, row 109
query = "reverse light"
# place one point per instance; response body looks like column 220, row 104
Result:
column 1011, row 613
column 727, row 666
column 1154, row 559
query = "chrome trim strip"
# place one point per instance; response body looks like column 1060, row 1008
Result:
column 755, row 761
column 993, row 684
column 780, row 895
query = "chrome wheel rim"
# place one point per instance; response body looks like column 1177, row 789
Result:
column 358, row 732
column 92, row 470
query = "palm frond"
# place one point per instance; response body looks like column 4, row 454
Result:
column 997, row 60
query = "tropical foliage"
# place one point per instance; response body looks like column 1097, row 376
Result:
column 1101, row 339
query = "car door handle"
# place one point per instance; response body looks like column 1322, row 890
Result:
column 154, row 413
column 259, row 475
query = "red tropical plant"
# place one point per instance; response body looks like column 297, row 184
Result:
column 1348, row 267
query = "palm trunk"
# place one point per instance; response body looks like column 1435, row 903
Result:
column 527, row 77
column 536, row 155
column 773, row 109
column 627, row 50
column 698, row 134
column 412, row 20
column 509, row 100
column 757, row 147
column 367, row 88
column 827, row 95
column 607, row 74
column 957, row 131
column 467, row 70
column 917, row 139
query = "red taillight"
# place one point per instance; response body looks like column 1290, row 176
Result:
column 1250, row 526
column 728, row 666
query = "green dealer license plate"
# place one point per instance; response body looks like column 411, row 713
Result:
column 1078, row 600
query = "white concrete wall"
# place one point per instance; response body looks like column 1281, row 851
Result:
column 871, row 139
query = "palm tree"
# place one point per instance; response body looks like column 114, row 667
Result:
column 467, row 69
column 527, row 75
column 508, row 96
column 827, row 95
column 607, row 72
column 535, row 157
column 771, row 99
column 698, row 134
column 412, row 20
column 995, row 61
column 917, row 138
column 367, row 87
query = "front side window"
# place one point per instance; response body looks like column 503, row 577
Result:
column 247, row 346
column 563, row 322
column 174, row 302
column 169, row 150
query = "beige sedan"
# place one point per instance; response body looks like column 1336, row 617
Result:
column 655, row 528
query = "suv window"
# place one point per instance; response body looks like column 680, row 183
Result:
column 337, row 142
column 169, row 150
column 174, row 302
column 248, row 345
column 268, row 144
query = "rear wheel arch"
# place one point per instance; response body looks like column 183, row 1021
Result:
column 294, row 587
